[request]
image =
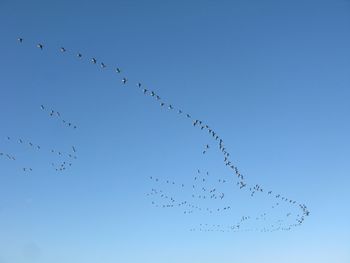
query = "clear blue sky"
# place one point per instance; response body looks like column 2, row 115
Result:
column 272, row 77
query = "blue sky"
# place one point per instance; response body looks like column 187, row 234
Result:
column 272, row 77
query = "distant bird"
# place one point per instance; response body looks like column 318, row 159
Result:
column 42, row 107
column 20, row 40
column 103, row 65
column 40, row 46
column 63, row 49
column 139, row 85
column 79, row 55
column 118, row 70
column 93, row 60
column 242, row 185
column 124, row 80
column 73, row 149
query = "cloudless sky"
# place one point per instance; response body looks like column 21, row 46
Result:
column 272, row 77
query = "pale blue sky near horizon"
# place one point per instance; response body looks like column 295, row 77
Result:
column 272, row 77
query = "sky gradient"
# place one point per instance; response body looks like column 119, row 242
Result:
column 272, row 77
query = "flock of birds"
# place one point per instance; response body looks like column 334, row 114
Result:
column 61, row 161
column 202, row 188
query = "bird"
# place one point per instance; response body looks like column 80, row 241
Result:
column 63, row 49
column 79, row 55
column 103, row 65
column 118, row 70
column 93, row 60
column 41, row 46
column 42, row 107
column 20, row 40
column 124, row 80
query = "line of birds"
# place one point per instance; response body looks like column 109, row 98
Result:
column 197, row 123
column 57, row 114
column 166, row 200
column 64, row 162
column 170, row 202
column 8, row 156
